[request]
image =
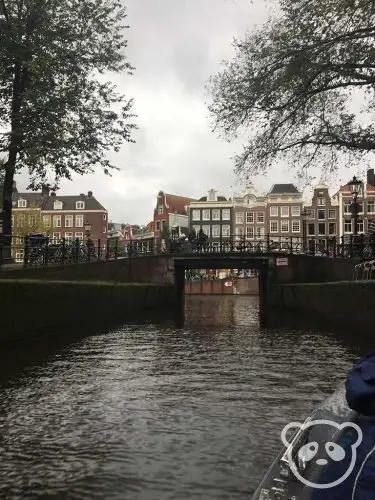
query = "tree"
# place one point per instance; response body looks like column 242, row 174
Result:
column 30, row 221
column 59, row 113
column 291, row 86
column 165, row 233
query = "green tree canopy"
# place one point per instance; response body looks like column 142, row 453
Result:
column 293, row 83
column 59, row 113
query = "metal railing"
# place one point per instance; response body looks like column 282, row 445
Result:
column 34, row 251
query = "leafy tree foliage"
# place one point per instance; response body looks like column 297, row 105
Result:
column 59, row 113
column 30, row 221
column 295, row 83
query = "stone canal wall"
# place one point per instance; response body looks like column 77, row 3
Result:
column 30, row 309
column 347, row 305
column 223, row 287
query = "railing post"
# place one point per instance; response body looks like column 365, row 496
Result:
column 63, row 251
column 116, row 248
column 77, row 249
column 268, row 242
column 46, row 251
column 1, row 249
column 26, row 251
column 291, row 245
column 334, row 247
column 107, row 250
column 99, row 249
column 362, row 245
column 351, row 246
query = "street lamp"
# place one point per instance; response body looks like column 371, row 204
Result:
column 87, row 226
column 304, row 229
column 355, row 188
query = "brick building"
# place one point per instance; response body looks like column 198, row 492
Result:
column 322, row 215
column 249, row 215
column 171, row 210
column 366, row 200
column 212, row 214
column 284, row 207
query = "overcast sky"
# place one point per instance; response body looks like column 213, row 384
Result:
column 175, row 45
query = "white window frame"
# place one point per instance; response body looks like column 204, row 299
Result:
column 80, row 205
column 347, row 210
column 206, row 228
column 216, row 231
column 275, row 224
column 296, row 223
column 216, row 214
column 56, row 218
column 46, row 220
column 250, row 232
column 68, row 236
column 78, row 235
column 22, row 203
column 325, row 214
column 225, row 214
column 325, row 229
column 196, row 214
column 308, row 225
column 104, row 216
column 225, row 230
column 77, row 219
column 69, row 218
column 284, row 211
column 19, row 255
column 335, row 231
column 260, row 217
column 56, row 237
column 274, row 211
column 206, row 214
column 240, row 217
column 240, row 232
column 329, row 213
column 250, row 218
column 320, row 201
column 260, row 232
column 310, row 213
column 57, row 205
column 196, row 229
column 361, row 226
column 346, row 224
column 284, row 224
column 372, row 202
column 296, row 211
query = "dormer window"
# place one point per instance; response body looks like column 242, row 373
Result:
column 80, row 205
column 22, row 203
column 57, row 205
column 211, row 195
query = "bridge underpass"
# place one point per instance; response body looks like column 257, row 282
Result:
column 181, row 264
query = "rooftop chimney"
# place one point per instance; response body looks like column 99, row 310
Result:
column 45, row 190
column 89, row 194
column 371, row 177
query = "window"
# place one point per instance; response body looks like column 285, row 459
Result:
column 274, row 226
column 249, row 232
column 360, row 226
column 274, row 211
column 360, row 208
column 21, row 220
column 212, row 195
column 371, row 206
column 240, row 231
column 216, row 214
column 284, row 226
column 284, row 211
column 157, row 225
column 206, row 230
column 46, row 220
column 260, row 217
column 68, row 236
column 80, row 205
column 104, row 230
column 79, row 236
column 321, row 214
column 320, row 202
column 332, row 214
column 296, row 226
column 226, row 214
column 347, row 208
column 56, row 237
column 310, row 213
column 104, row 216
column 68, row 220
column 348, row 226
column 19, row 255
column 216, row 231
column 196, row 229
column 249, row 217
column 57, row 205
column 79, row 220
column 22, row 203
column 321, row 228
column 296, row 211
column 239, row 217
column 32, row 220
column 163, row 223
column 206, row 215
column 225, row 231
column 196, row 215
column 260, row 232
column 332, row 228
column 57, row 221
column 311, row 229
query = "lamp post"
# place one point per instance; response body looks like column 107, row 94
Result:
column 304, row 214
column 355, row 188
column 87, row 226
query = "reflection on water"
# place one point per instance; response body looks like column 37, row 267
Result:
column 148, row 412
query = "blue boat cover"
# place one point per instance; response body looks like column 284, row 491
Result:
column 360, row 396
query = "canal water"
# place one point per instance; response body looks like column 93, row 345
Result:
column 150, row 412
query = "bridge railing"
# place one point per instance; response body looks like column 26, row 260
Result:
column 39, row 250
